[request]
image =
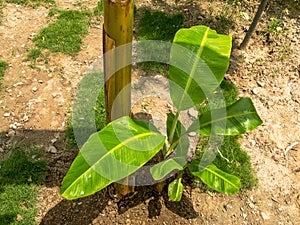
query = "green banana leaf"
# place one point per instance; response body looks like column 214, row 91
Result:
column 115, row 152
column 238, row 118
column 178, row 160
column 178, row 132
column 199, row 59
column 215, row 178
column 175, row 190
column 162, row 169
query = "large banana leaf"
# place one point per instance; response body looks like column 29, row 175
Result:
column 216, row 178
column 113, row 153
column 238, row 118
column 175, row 190
column 199, row 59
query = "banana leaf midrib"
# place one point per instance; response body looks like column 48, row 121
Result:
column 227, row 117
column 109, row 152
column 221, row 177
column 195, row 64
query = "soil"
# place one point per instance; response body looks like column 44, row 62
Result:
column 35, row 105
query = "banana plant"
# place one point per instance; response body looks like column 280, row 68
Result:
column 199, row 58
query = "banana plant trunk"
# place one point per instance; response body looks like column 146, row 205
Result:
column 118, row 30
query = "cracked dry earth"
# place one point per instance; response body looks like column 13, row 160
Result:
column 35, row 104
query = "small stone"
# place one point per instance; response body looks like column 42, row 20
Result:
column 264, row 216
column 13, row 126
column 11, row 133
column 53, row 140
column 252, row 142
column 255, row 91
column 25, row 118
column 19, row 218
column 40, row 81
column 18, row 84
column 193, row 113
column 260, row 83
column 1, row 149
column 192, row 134
column 251, row 205
column 52, row 149
column 34, row 89
column 6, row 114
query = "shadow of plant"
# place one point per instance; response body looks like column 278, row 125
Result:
column 84, row 210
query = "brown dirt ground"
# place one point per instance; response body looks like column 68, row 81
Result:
column 38, row 102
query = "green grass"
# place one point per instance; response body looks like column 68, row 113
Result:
column 3, row 67
column 36, row 55
column 88, row 109
column 235, row 160
column 275, row 26
column 1, row 12
column 66, row 33
column 32, row 3
column 99, row 10
column 229, row 92
column 20, row 178
column 156, row 25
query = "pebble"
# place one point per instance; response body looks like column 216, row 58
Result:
column 260, row 83
column 264, row 216
column 1, row 149
column 251, row 205
column 52, row 149
column 18, row 84
column 6, row 114
column 13, row 126
column 34, row 89
column 11, row 133
column 193, row 113
column 53, row 140
column 25, row 118
column 192, row 134
column 255, row 91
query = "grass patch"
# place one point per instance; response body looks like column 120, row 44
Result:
column 234, row 160
column 3, row 67
column 229, row 93
column 19, row 180
column 99, row 9
column 156, row 25
column 36, row 55
column 64, row 35
column 88, row 110
column 1, row 8
column 33, row 3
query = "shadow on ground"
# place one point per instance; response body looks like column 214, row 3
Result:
column 84, row 211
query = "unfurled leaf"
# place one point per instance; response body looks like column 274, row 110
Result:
column 111, row 154
column 198, row 62
column 215, row 178
column 175, row 190
column 238, row 118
